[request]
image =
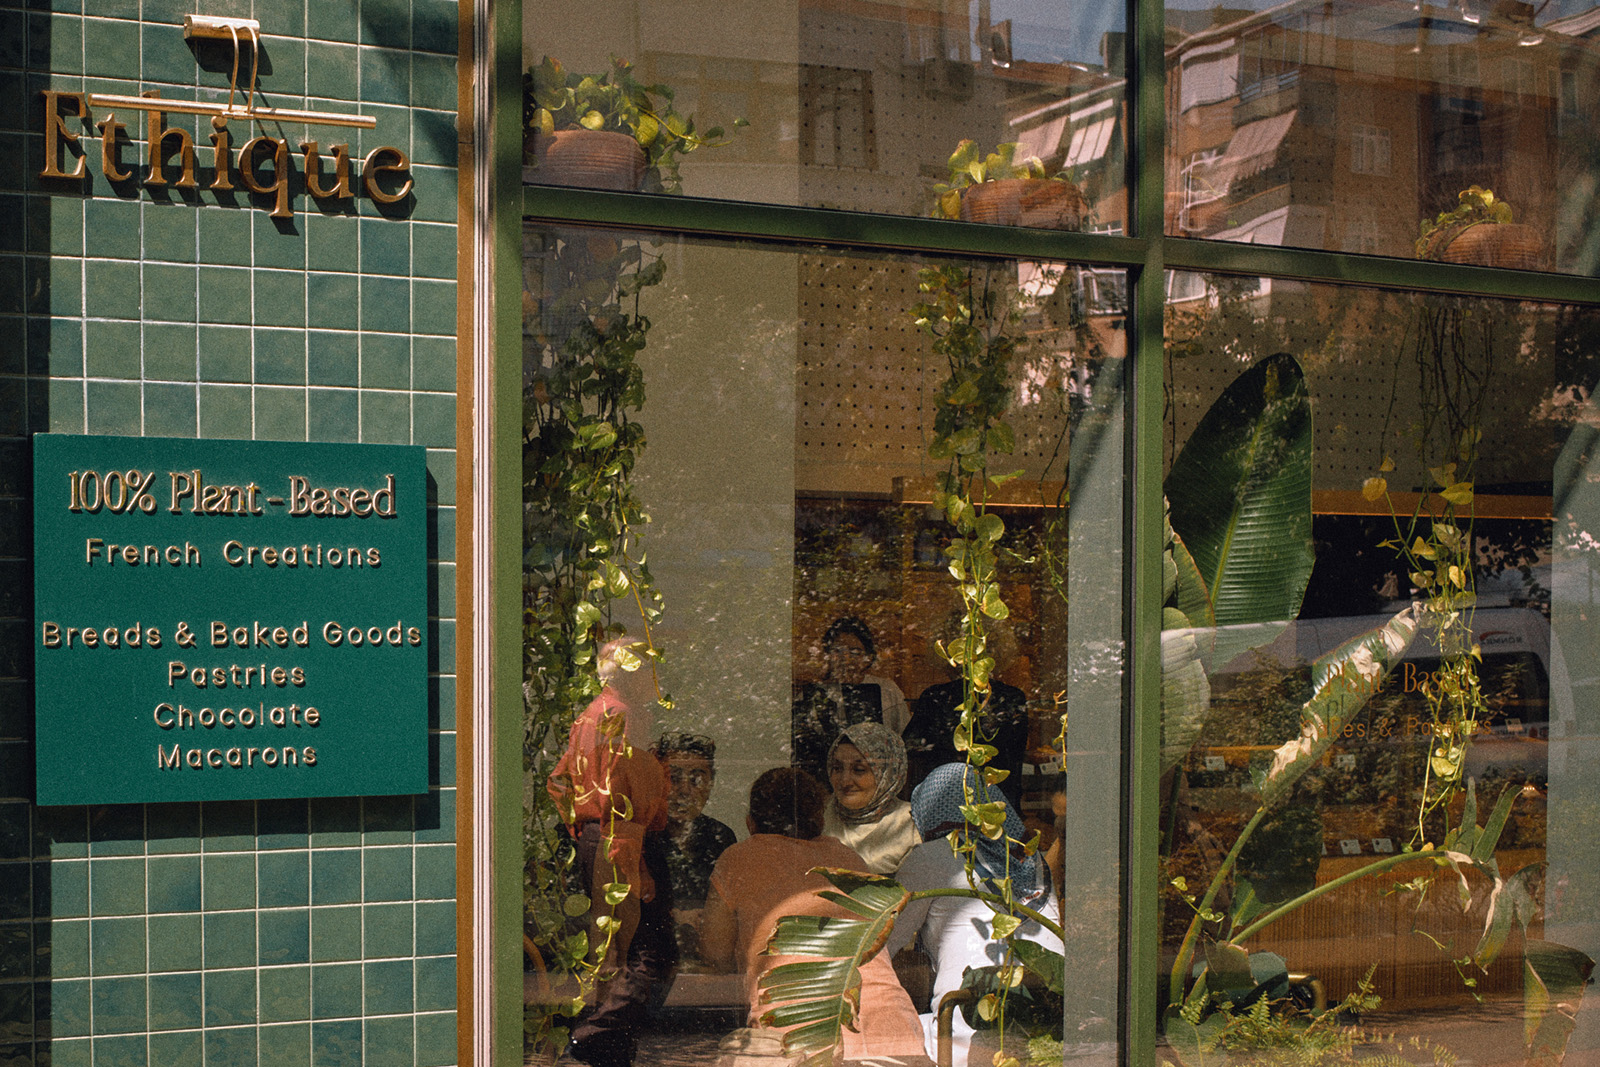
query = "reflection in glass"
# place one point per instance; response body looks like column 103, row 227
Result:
column 772, row 407
column 1354, row 127
column 853, row 107
column 1448, row 506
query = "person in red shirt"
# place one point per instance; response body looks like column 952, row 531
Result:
column 612, row 794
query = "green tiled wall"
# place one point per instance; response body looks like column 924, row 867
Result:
column 274, row 933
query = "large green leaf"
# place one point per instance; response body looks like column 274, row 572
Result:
column 1188, row 629
column 1342, row 681
column 1240, row 496
column 1553, row 978
column 820, row 997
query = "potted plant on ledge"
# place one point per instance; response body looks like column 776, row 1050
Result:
column 605, row 131
column 1001, row 190
column 1479, row 230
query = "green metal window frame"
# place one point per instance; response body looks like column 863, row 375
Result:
column 1147, row 255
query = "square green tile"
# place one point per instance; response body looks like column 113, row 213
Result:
column 285, row 994
column 434, row 137
column 385, row 304
column 334, row 414
column 285, row 936
column 230, row 998
column 335, row 990
column 335, row 821
column 390, row 1040
column 433, row 250
column 286, row 1046
column 69, row 888
column 119, row 1005
column 280, row 357
column 169, row 292
column 113, row 408
column 231, row 1046
column 230, row 825
column 116, row 886
column 225, row 411
column 333, row 358
column 336, row 876
column 387, row 873
column 284, row 879
column 282, row 824
column 436, row 928
column 224, row 295
column 64, row 344
column 388, row 930
column 436, row 983
column 333, row 22
column 385, row 247
column 69, row 1008
column 165, row 54
column 174, row 883
column 170, row 352
column 333, row 302
column 435, row 194
column 175, row 942
column 436, row 872
column 228, row 881
column 385, row 361
column 389, row 989
column 111, row 289
column 434, row 422
column 14, row 285
column 20, row 956
column 175, row 1001
column 433, row 308
column 125, row 1051
column 113, row 227
column 225, row 353
column 274, row 247
column 112, row 349
column 385, row 75
column 172, row 828
column 336, row 1044
column 335, row 934
column 177, row 1050
column 170, row 410
column 280, row 414
column 56, row 286
column 442, row 474
column 117, row 946
column 225, row 235
column 16, row 1012
column 333, row 241
column 385, row 418
column 440, row 808
column 280, row 298
column 74, row 1052
column 230, row 939
column 436, row 1039
column 170, row 230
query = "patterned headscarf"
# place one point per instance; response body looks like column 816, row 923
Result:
column 884, row 750
column 936, row 809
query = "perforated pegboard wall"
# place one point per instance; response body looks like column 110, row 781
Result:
column 867, row 376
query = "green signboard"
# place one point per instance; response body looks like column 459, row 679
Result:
column 219, row 620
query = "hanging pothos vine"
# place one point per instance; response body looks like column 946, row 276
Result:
column 583, row 388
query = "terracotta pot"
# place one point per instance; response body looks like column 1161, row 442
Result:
column 1487, row 244
column 587, row 159
column 1040, row 203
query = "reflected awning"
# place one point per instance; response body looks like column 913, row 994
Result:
column 1253, row 149
column 1090, row 142
column 1041, row 141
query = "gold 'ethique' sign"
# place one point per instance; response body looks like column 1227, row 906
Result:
column 262, row 165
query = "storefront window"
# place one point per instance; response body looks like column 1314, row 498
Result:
column 1375, row 802
column 774, row 410
column 1453, row 133
column 860, row 108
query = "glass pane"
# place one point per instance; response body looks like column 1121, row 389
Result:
column 793, row 407
column 1459, row 133
column 859, row 107
column 1379, row 791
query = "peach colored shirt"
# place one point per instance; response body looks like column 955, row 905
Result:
column 765, row 877
column 599, row 776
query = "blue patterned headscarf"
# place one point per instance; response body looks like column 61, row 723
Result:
column 936, row 808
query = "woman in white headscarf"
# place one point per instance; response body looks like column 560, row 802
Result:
column 867, row 770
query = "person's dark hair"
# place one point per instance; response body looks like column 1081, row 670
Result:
column 787, row 801
column 680, row 744
column 849, row 624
